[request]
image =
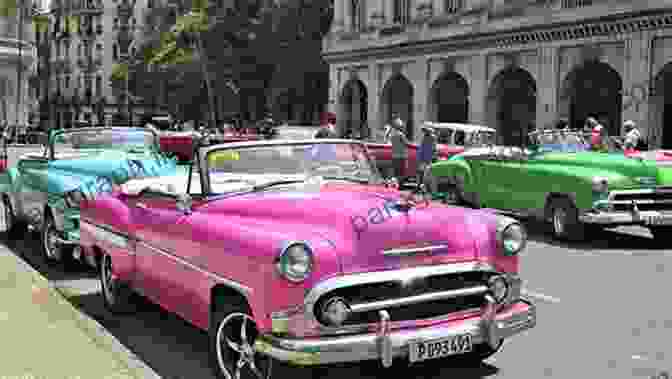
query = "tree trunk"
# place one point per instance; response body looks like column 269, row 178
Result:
column 208, row 84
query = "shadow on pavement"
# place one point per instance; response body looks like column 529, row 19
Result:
column 177, row 350
column 605, row 239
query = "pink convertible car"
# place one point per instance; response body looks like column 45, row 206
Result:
column 297, row 253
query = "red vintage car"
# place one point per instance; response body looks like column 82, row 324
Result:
column 452, row 138
column 663, row 157
column 181, row 144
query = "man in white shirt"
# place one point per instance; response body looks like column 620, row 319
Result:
column 632, row 135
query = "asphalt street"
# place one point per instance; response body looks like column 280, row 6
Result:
column 604, row 311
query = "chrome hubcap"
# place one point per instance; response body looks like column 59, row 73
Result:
column 234, row 346
column 107, row 280
column 51, row 245
column 559, row 219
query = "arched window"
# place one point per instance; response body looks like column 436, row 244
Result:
column 358, row 14
column 402, row 11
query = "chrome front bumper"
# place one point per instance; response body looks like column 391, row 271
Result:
column 647, row 218
column 490, row 328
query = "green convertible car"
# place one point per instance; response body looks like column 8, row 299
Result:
column 44, row 190
column 558, row 179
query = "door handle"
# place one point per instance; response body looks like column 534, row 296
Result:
column 141, row 205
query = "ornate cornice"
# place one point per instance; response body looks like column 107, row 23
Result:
column 608, row 26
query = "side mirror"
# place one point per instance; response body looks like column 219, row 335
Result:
column 183, row 203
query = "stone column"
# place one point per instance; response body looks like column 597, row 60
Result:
column 419, row 77
column 373, row 98
column 339, row 15
column 637, row 82
column 347, row 14
column 479, row 89
column 547, row 88
column 389, row 11
column 333, row 90
column 438, row 7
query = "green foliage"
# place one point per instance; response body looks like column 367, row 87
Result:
column 41, row 23
column 119, row 72
column 8, row 8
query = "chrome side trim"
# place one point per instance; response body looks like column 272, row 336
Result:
column 109, row 234
column 416, row 250
column 227, row 282
column 403, row 301
column 406, row 274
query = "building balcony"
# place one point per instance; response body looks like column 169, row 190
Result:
column 88, row 7
column 125, row 10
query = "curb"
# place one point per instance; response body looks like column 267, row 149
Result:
column 98, row 334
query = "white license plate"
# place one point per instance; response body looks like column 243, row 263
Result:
column 658, row 220
column 3, row 218
column 421, row 351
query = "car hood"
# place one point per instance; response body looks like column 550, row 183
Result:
column 609, row 163
column 362, row 222
column 119, row 166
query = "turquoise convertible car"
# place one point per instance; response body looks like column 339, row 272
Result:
column 43, row 190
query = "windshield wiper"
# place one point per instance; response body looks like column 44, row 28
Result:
column 261, row 187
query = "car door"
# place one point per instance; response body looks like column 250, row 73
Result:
column 167, row 256
column 498, row 176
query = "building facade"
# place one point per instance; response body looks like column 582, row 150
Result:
column 88, row 39
column 512, row 65
column 17, row 59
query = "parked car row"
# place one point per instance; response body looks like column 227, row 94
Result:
column 288, row 253
column 557, row 178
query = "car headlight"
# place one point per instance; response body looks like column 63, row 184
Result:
column 74, row 197
column 335, row 311
column 499, row 288
column 512, row 237
column 600, row 184
column 295, row 262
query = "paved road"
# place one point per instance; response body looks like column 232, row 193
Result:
column 604, row 312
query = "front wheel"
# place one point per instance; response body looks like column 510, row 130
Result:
column 233, row 333
column 565, row 220
column 53, row 250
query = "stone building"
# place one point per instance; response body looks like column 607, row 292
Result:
column 514, row 65
column 88, row 39
column 17, row 59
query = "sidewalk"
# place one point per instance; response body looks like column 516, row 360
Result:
column 45, row 337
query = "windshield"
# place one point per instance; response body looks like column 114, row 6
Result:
column 559, row 141
column 79, row 142
column 230, row 168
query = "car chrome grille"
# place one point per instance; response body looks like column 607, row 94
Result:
column 658, row 199
column 468, row 289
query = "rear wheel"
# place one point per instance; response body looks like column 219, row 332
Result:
column 117, row 296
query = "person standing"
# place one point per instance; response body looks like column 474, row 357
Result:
column 399, row 150
column 328, row 128
column 632, row 135
column 427, row 150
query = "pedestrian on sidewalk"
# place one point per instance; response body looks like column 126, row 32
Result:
column 327, row 127
column 427, row 150
column 632, row 135
column 399, row 150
